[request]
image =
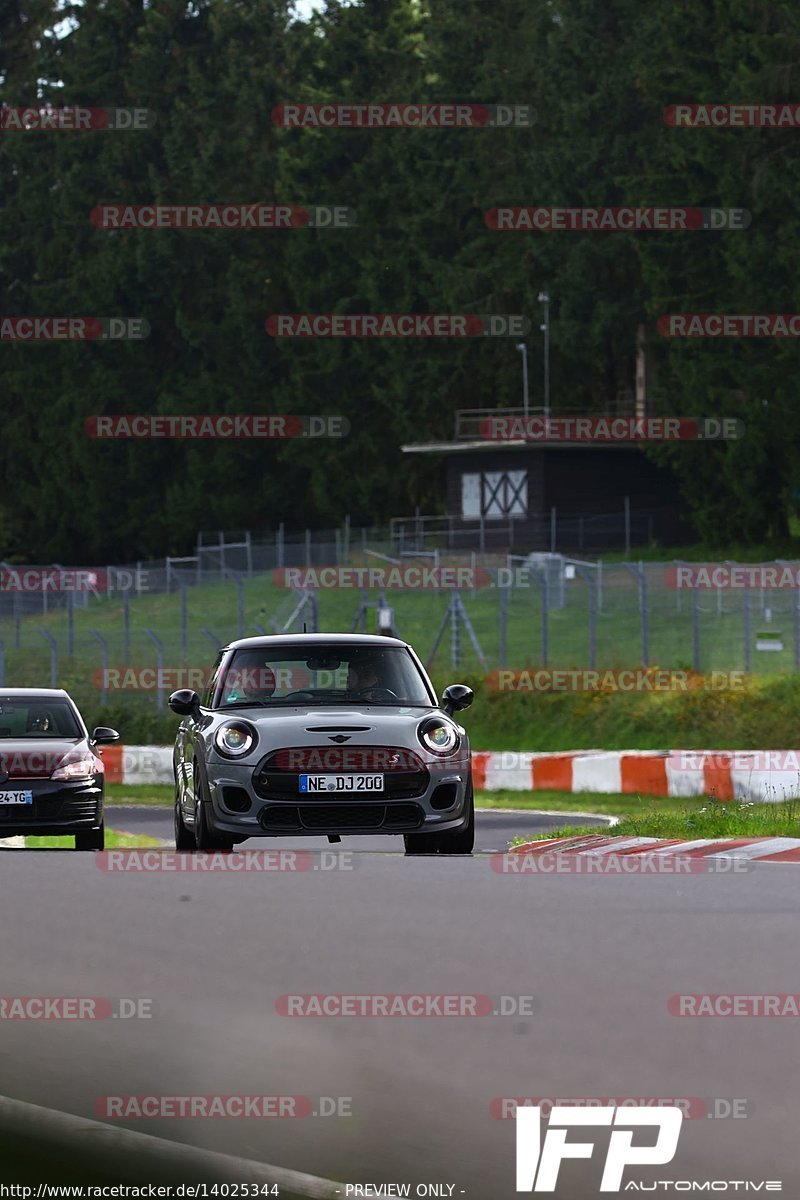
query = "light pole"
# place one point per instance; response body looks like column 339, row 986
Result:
column 544, row 299
column 523, row 349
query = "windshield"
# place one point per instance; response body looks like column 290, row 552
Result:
column 322, row 674
column 37, row 718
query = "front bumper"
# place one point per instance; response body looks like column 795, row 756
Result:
column 248, row 801
column 58, row 807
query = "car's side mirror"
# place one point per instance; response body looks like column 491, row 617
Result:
column 103, row 735
column 455, row 697
column 184, row 702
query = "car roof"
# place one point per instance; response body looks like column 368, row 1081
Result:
column 38, row 693
column 315, row 639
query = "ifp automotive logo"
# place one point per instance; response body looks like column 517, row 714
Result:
column 538, row 1161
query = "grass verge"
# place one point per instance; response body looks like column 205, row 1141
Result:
column 114, row 841
column 705, row 818
column 152, row 795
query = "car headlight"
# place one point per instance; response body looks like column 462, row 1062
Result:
column 77, row 768
column 438, row 736
column 234, row 739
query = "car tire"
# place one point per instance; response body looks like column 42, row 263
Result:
column 184, row 838
column 205, row 840
column 91, row 839
column 459, row 841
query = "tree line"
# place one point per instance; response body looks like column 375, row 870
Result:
column 598, row 75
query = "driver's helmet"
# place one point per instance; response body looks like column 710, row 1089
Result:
column 250, row 678
column 38, row 723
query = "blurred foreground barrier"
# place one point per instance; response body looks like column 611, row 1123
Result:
column 41, row 1145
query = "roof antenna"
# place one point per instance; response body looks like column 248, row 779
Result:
column 304, row 627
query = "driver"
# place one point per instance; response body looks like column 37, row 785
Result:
column 249, row 679
column 364, row 673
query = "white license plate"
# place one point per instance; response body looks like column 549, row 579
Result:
column 16, row 797
column 341, row 783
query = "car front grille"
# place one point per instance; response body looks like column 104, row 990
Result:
column 277, row 777
column 46, row 809
column 289, row 818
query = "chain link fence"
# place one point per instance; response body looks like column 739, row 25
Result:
column 105, row 643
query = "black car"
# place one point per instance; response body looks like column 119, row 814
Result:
column 51, row 778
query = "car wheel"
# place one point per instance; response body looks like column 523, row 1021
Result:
column 204, row 838
column 460, row 841
column 184, row 838
column 91, row 839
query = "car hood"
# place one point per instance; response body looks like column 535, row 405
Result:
column 319, row 726
column 37, row 757
column 331, row 718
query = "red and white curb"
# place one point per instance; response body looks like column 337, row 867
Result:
column 768, row 849
column 760, row 775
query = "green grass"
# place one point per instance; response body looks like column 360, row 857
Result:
column 705, row 818
column 114, row 841
column 148, row 795
column 609, row 805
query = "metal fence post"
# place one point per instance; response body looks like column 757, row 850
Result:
column 644, row 616
column 279, row 548
column 126, row 626
column 553, row 529
column 455, row 632
column 183, row 622
column 503, row 599
column 159, row 645
column 240, row 605
column 308, row 548
column 544, row 629
column 592, row 599
column 695, row 629
column 747, row 626
column 104, row 647
column 48, row 637
column 627, row 525
column 796, row 594
column 16, row 621
column 70, row 624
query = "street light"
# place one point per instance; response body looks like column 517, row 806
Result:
column 524, row 351
column 544, row 299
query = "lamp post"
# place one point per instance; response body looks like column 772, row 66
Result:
column 544, row 299
column 523, row 349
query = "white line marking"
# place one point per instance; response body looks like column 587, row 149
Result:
column 625, row 844
column 770, row 846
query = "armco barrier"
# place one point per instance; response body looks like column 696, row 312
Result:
column 765, row 776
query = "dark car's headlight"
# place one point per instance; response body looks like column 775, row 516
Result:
column 75, row 767
column 235, row 739
column 438, row 736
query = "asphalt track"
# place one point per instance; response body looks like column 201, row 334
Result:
column 494, row 831
column 601, row 955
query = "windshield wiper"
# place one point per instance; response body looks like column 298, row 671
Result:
column 245, row 704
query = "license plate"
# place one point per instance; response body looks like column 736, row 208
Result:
column 341, row 783
column 16, row 797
